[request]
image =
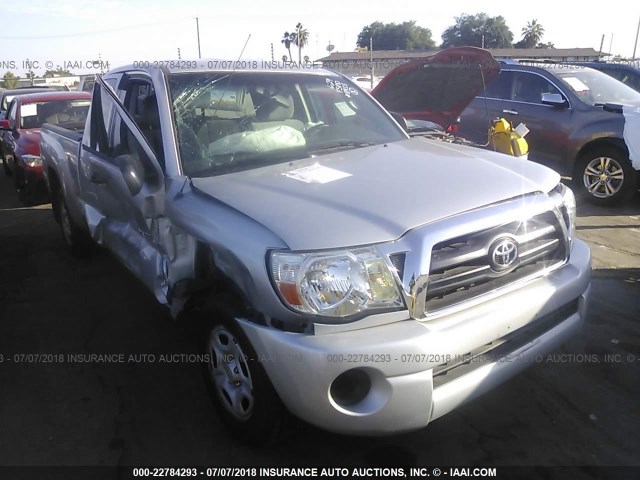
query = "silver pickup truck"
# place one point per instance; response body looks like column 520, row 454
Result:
column 364, row 281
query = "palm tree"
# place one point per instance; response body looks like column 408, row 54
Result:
column 301, row 39
column 532, row 34
column 287, row 39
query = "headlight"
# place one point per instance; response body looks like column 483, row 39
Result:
column 32, row 160
column 335, row 284
column 567, row 207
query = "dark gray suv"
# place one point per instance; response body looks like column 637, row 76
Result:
column 582, row 123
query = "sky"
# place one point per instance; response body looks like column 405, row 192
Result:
column 120, row 32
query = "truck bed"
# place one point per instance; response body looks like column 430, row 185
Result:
column 71, row 131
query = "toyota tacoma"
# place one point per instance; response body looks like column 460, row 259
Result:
column 362, row 280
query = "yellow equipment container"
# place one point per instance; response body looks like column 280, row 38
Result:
column 504, row 138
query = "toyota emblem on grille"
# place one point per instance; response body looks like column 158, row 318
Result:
column 503, row 253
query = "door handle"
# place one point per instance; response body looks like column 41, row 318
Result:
column 97, row 179
column 510, row 112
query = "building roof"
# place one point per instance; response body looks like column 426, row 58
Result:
column 378, row 54
column 551, row 53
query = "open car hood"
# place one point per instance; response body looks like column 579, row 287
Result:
column 439, row 87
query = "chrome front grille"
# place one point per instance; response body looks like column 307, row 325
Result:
column 471, row 265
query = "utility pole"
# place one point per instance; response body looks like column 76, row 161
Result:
column 371, row 58
column 636, row 44
column 611, row 45
column 30, row 72
column 198, row 32
column 601, row 43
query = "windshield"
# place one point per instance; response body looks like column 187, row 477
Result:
column 597, row 88
column 229, row 122
column 66, row 113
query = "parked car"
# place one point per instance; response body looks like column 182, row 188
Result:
column 583, row 123
column 20, row 133
column 8, row 95
column 362, row 280
column 578, row 127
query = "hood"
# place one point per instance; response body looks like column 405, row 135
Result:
column 437, row 88
column 375, row 194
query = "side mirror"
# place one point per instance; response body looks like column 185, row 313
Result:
column 553, row 99
column 133, row 172
column 4, row 125
column 401, row 120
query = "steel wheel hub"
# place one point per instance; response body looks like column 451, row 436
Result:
column 230, row 373
column 603, row 177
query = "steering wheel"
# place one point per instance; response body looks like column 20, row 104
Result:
column 313, row 131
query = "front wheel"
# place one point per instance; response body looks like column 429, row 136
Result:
column 605, row 176
column 240, row 389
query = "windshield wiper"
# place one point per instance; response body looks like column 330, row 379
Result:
column 346, row 145
column 246, row 160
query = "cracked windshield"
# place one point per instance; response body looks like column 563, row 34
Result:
column 235, row 122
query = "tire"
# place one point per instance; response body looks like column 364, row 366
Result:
column 75, row 237
column 5, row 166
column 238, row 385
column 22, row 188
column 604, row 176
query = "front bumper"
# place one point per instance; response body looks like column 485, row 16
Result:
column 414, row 367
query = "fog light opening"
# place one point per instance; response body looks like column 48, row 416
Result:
column 350, row 387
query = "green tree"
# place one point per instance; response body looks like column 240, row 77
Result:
column 546, row 45
column 478, row 30
column 58, row 72
column 287, row 40
column 395, row 36
column 9, row 80
column 301, row 39
column 531, row 35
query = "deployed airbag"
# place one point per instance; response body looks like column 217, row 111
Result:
column 259, row 141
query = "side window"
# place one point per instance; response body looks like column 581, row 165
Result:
column 11, row 116
column 112, row 82
column 101, row 111
column 141, row 103
column 617, row 74
column 633, row 80
column 529, row 87
column 500, row 87
column 124, row 142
